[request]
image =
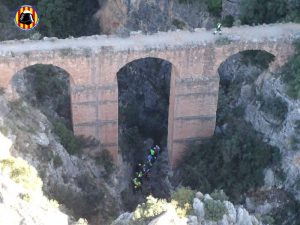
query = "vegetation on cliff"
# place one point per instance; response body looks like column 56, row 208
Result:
column 291, row 73
column 269, row 11
column 234, row 159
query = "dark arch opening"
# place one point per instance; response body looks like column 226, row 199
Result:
column 46, row 87
column 144, row 90
column 229, row 69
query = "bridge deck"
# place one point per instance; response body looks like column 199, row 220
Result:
column 159, row 40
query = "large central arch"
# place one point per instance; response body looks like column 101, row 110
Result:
column 171, row 107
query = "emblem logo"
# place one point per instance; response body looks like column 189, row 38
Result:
column 26, row 17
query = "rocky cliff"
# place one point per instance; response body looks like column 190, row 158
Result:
column 75, row 181
column 123, row 16
column 205, row 210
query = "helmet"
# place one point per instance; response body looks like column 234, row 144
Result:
column 26, row 17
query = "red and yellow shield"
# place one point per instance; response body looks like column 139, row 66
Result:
column 26, row 17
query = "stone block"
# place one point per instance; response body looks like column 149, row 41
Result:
column 108, row 111
column 84, row 114
column 193, row 128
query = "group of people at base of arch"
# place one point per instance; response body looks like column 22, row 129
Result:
column 142, row 170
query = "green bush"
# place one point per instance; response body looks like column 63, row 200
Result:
column 215, row 7
column 57, row 162
column 297, row 126
column 18, row 107
column 276, row 107
column 267, row 11
column 297, row 184
column 177, row 23
column 291, row 73
column 294, row 142
column 266, row 219
column 214, row 210
column 183, row 198
column 228, row 21
column 152, row 208
column 63, row 18
column 233, row 161
column 21, row 172
column 106, row 160
column 14, row 4
column 2, row 91
column 219, row 195
column 70, row 142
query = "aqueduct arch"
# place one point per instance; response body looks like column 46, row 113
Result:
column 93, row 63
column 10, row 89
column 171, row 94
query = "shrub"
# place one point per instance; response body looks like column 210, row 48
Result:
column 71, row 143
column 82, row 221
column 152, row 208
column 14, row 4
column 18, row 107
column 21, row 172
column 294, row 141
column 182, row 199
column 219, row 195
column 258, row 12
column 106, row 160
column 26, row 197
column 57, row 162
column 297, row 126
column 233, row 161
column 266, row 219
column 228, row 21
column 291, row 73
column 214, row 210
column 276, row 107
column 214, row 7
column 82, row 204
column 4, row 130
column 297, row 184
column 2, row 91
column 177, row 23
column 70, row 13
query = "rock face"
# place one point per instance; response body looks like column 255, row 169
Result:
column 280, row 134
column 123, row 16
column 275, row 115
column 76, row 182
column 14, row 210
column 235, row 215
column 168, row 217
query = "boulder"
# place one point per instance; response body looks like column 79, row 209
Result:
column 199, row 209
column 169, row 217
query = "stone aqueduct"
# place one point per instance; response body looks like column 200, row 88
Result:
column 93, row 62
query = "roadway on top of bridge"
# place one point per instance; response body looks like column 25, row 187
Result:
column 160, row 40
